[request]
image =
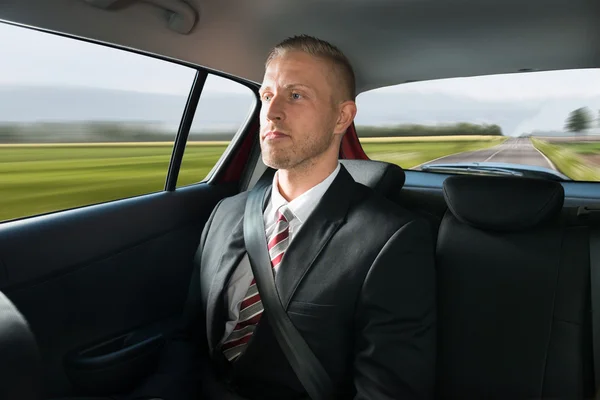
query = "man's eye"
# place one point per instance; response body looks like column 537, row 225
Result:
column 296, row 96
column 266, row 97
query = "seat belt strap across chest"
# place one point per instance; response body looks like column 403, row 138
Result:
column 303, row 361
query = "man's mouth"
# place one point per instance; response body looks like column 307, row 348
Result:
column 272, row 135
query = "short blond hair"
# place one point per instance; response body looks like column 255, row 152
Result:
column 322, row 49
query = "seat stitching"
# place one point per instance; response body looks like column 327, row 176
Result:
column 542, row 210
column 567, row 322
column 562, row 243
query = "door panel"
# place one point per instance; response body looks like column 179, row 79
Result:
column 84, row 276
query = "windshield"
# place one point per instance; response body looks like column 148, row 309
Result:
column 534, row 124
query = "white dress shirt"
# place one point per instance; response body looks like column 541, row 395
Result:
column 301, row 207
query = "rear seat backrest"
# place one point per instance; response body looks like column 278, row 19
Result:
column 380, row 176
column 513, row 292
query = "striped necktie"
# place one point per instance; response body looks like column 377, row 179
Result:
column 251, row 307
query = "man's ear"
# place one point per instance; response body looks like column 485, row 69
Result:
column 347, row 112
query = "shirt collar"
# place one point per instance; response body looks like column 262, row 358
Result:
column 303, row 205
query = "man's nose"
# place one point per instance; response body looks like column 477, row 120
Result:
column 274, row 111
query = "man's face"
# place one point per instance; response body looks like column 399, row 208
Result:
column 299, row 113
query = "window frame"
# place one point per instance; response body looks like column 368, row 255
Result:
column 235, row 147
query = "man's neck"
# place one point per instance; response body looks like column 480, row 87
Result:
column 292, row 183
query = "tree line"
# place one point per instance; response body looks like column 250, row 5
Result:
column 581, row 120
column 97, row 132
column 115, row 132
column 462, row 128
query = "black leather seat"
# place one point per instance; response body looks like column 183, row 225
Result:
column 20, row 364
column 380, row 176
column 513, row 293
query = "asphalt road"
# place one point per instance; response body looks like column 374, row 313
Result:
column 514, row 151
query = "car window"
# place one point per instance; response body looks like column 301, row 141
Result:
column 534, row 124
column 82, row 123
column 223, row 108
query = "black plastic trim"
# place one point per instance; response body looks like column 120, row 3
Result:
column 251, row 165
column 576, row 193
column 236, row 142
column 184, row 130
column 112, row 352
column 113, row 366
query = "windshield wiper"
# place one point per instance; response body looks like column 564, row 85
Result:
column 470, row 169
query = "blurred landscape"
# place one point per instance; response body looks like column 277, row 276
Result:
column 57, row 153
column 41, row 178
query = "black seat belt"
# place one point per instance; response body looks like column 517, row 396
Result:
column 595, row 298
column 303, row 361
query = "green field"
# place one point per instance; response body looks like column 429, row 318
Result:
column 36, row 179
column 584, row 148
column 568, row 158
column 411, row 152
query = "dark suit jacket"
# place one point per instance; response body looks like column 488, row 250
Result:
column 358, row 283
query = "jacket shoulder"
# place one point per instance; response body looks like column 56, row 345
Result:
column 231, row 207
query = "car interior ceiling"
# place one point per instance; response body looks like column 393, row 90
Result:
column 515, row 311
column 491, row 37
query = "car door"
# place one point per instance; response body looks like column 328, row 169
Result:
column 110, row 164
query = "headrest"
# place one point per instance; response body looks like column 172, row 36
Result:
column 380, row 176
column 20, row 363
column 503, row 203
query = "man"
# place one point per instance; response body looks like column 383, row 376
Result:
column 354, row 272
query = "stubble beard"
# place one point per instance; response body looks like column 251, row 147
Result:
column 295, row 157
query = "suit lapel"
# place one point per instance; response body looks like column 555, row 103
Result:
column 215, row 307
column 315, row 233
column 232, row 254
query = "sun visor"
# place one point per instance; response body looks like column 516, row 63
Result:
column 181, row 17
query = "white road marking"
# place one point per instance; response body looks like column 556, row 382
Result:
column 490, row 157
column 446, row 156
column 546, row 158
column 514, row 144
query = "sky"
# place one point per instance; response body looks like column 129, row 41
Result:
column 519, row 86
